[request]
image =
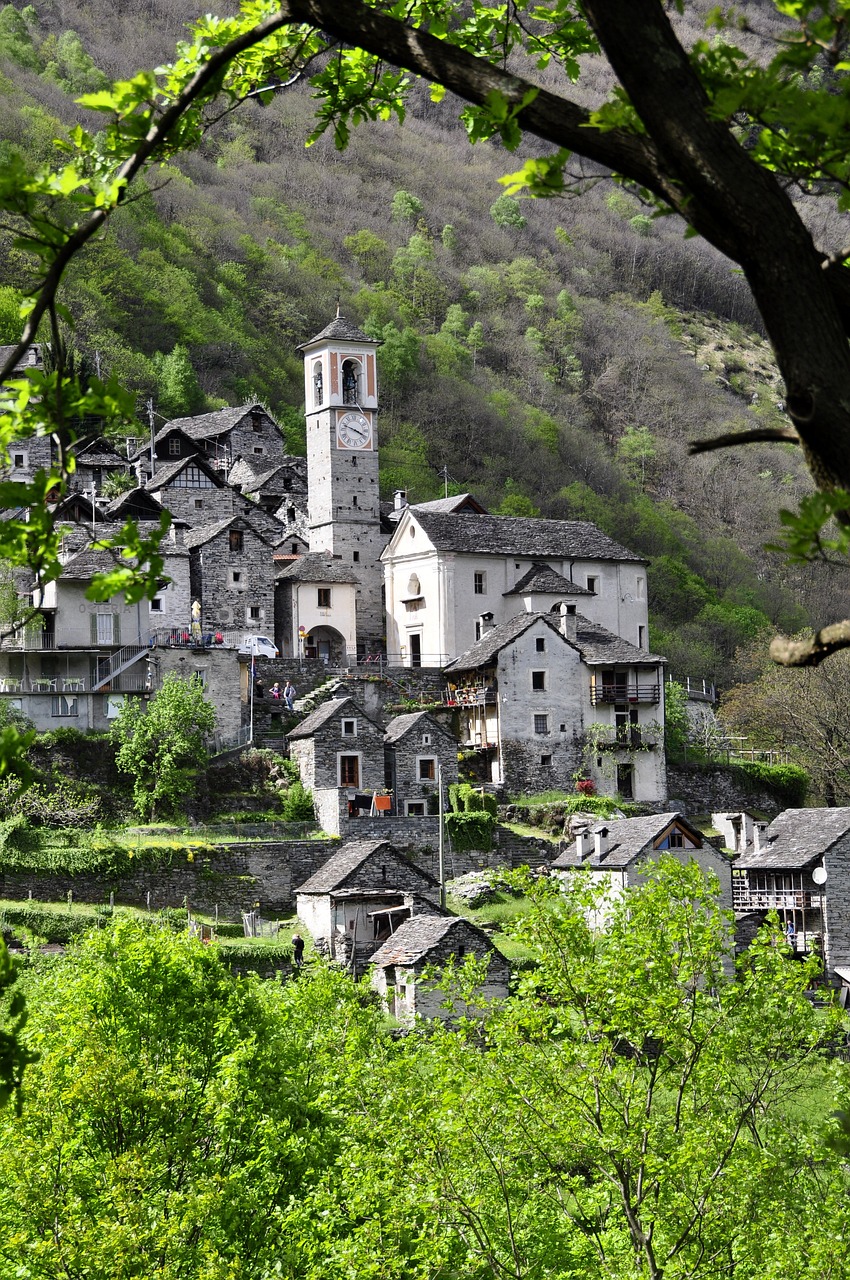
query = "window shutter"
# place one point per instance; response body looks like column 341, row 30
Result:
column 116, row 628
column 93, row 620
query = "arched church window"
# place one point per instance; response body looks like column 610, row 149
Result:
column 318, row 392
column 350, row 382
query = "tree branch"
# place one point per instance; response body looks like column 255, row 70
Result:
column 812, row 651
column 785, row 435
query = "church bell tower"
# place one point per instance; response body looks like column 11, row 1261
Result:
column 341, row 395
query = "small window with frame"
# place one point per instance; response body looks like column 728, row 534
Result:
column 479, row 583
column 540, row 644
column 324, row 597
column 593, row 585
column 541, row 724
column 538, row 681
column 349, row 728
column 237, row 540
column 426, row 769
column 349, row 771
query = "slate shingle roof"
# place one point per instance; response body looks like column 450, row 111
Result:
column 163, row 475
column 343, row 865
column 415, row 938
column 316, row 567
column 341, row 329
column 206, row 532
column 132, row 497
column 595, row 643
column 520, row 536
column 87, row 562
column 403, row 724
column 628, row 837
column 542, row 577
column 797, row 838
column 205, row 425
column 460, row 503
column 335, row 706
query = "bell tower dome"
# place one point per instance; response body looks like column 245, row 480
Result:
column 341, row 397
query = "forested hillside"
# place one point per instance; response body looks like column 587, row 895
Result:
column 555, row 357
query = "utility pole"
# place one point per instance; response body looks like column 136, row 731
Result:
column 153, row 432
column 441, row 867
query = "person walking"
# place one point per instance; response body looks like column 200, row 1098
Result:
column 297, row 950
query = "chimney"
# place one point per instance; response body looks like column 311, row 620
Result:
column 584, row 845
column 568, row 621
column 759, row 836
column 485, row 623
column 601, row 842
column 399, row 499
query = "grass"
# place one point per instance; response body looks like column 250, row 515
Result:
column 543, row 797
column 523, row 829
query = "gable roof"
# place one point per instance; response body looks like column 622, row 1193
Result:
column 316, row 566
column 207, row 425
column 350, row 858
column 164, row 475
column 627, row 839
column 415, row 938
column 595, row 644
column 410, row 720
column 459, row 503
column 334, row 706
column 520, row 536
column 797, row 838
column 135, row 500
column 206, row 532
column 340, row 329
column 542, row 577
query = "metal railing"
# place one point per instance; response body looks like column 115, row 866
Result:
column 112, row 666
column 697, row 690
column 746, row 899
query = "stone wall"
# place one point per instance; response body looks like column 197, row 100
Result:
column 709, row 789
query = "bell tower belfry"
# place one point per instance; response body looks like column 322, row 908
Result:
column 341, row 397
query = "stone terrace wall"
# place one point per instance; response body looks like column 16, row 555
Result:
column 710, row 789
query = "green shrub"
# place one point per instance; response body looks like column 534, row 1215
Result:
column 18, row 837
column 262, row 959
column 471, row 830
column 54, row 926
column 464, row 798
column 298, row 804
column 789, row 781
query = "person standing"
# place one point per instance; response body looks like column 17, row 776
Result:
column 297, row 950
column 289, row 695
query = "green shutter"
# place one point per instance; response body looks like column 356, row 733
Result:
column 116, row 628
column 94, row 628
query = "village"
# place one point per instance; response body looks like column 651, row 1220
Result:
column 310, row 612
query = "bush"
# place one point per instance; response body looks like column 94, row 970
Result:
column 471, row 830
column 54, row 926
column 464, row 798
column 261, row 959
column 298, row 804
column 789, row 781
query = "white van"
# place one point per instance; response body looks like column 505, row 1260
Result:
column 259, row 646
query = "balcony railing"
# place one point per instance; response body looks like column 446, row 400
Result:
column 746, row 899
column 611, row 693
column 472, row 696
column 30, row 639
column 635, row 738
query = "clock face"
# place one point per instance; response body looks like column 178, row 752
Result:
column 354, row 431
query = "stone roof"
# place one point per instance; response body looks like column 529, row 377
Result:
column 316, row 719
column 594, row 643
column 403, row 724
column 797, row 838
column 115, row 508
column 87, row 562
column 206, row 425
column 628, row 838
column 342, row 865
column 459, row 502
column 316, row 567
column 206, row 532
column 99, row 453
column 30, row 359
column 542, row 577
column 341, row 330
column 415, row 938
column 520, row 536
column 163, row 475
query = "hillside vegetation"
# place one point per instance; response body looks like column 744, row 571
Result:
column 555, row 357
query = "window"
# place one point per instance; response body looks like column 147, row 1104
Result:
column 541, row 724
column 479, row 583
column 192, row 477
column 349, row 771
column 255, row 613
column 354, row 501
column 324, row 597
column 626, row 781
column 641, row 588
column 112, row 704
column 356, row 557
column 538, row 680
column 546, row 761
column 414, row 809
column 287, row 483
column 540, row 644
column 675, row 840
column 592, row 585
column 62, row 706
column 318, row 390
column 156, row 605
column 199, row 502
column 174, row 447
column 294, row 546
column 200, row 675
column 105, row 628
column 19, row 458
column 290, row 515
column 426, row 739
column 350, row 382
column 349, row 728
column 235, row 577
column 237, row 540
column 641, row 637
column 427, row 769
column 258, row 448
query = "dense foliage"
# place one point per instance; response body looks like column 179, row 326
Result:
column 630, row 1110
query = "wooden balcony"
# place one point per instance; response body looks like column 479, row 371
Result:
column 746, row 899
column 606, row 694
